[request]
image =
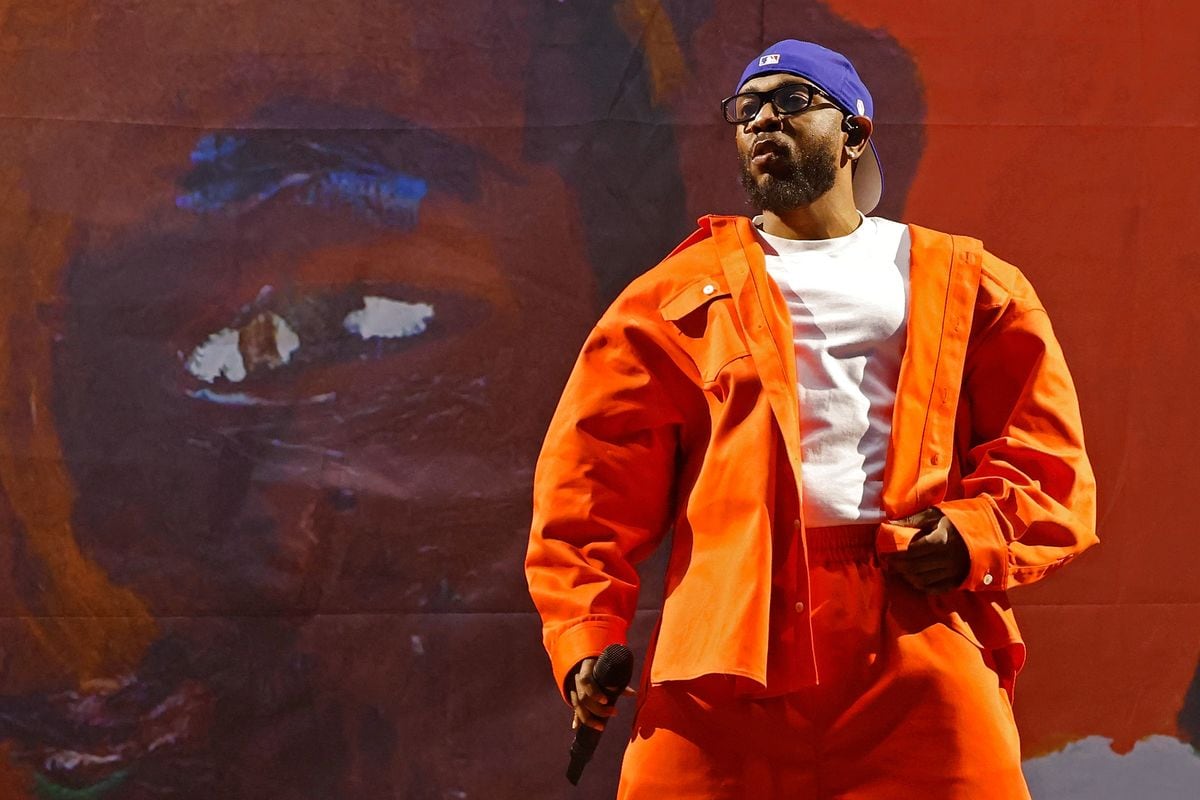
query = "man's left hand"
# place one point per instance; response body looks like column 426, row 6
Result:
column 937, row 559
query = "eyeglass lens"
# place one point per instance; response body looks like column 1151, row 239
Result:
column 786, row 100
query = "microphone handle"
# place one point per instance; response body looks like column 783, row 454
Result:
column 582, row 749
column 586, row 739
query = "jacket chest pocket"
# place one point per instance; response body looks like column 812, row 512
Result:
column 709, row 330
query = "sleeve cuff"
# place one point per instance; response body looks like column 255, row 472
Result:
column 975, row 521
column 587, row 638
column 892, row 538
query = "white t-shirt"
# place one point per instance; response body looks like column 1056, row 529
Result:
column 848, row 299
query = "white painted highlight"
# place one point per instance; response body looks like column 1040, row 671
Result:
column 382, row 317
column 286, row 340
column 1158, row 768
column 218, row 357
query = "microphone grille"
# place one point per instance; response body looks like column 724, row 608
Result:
column 614, row 668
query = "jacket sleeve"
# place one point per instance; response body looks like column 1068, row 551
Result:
column 1028, row 502
column 602, row 489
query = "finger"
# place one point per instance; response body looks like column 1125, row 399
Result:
column 926, row 569
column 629, row 691
column 910, row 557
column 580, row 686
column 915, row 565
column 589, row 711
column 935, row 577
column 597, row 710
column 929, row 540
column 583, row 676
column 590, row 720
column 902, row 568
column 941, row 587
column 575, row 709
column 594, row 695
column 586, row 716
column 923, row 581
column 943, row 531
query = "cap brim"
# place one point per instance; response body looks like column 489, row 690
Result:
column 868, row 180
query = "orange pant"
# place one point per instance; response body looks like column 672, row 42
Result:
column 906, row 708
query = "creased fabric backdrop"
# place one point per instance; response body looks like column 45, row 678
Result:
column 290, row 290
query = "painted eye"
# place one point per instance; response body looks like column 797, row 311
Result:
column 383, row 318
column 295, row 329
column 266, row 341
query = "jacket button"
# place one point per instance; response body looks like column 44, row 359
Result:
column 799, row 608
column 709, row 288
column 796, row 523
column 987, row 579
column 935, row 459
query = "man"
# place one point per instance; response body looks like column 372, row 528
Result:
column 861, row 433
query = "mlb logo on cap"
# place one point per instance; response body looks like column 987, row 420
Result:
column 771, row 59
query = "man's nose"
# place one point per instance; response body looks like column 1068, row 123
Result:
column 765, row 120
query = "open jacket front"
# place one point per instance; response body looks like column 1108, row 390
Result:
column 682, row 412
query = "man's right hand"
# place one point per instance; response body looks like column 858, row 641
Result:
column 592, row 707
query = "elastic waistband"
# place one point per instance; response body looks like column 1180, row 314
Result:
column 842, row 543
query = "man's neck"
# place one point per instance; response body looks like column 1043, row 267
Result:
column 826, row 218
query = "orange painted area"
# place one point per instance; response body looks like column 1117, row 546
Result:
column 647, row 24
column 80, row 625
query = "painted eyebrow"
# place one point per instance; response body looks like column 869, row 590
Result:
column 382, row 172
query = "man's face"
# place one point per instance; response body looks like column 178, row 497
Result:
column 320, row 397
column 788, row 161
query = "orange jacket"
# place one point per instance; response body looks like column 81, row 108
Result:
column 682, row 413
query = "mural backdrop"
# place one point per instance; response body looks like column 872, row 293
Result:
column 290, row 290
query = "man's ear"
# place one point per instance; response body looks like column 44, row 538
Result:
column 858, row 131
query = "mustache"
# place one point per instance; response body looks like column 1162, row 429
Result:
column 766, row 143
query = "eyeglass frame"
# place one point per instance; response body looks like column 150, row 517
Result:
column 769, row 97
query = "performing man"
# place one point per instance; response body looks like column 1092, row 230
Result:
column 861, row 435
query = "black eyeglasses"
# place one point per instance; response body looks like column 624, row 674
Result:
column 787, row 99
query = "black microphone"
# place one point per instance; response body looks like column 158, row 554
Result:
column 612, row 672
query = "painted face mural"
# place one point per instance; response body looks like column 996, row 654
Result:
column 291, row 296
column 303, row 348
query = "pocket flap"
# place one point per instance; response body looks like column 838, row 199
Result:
column 693, row 296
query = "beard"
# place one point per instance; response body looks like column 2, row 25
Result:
column 805, row 177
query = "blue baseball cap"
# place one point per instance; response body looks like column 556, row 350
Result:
column 835, row 75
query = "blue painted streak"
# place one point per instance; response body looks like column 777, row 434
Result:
column 385, row 197
column 237, row 174
column 212, row 146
